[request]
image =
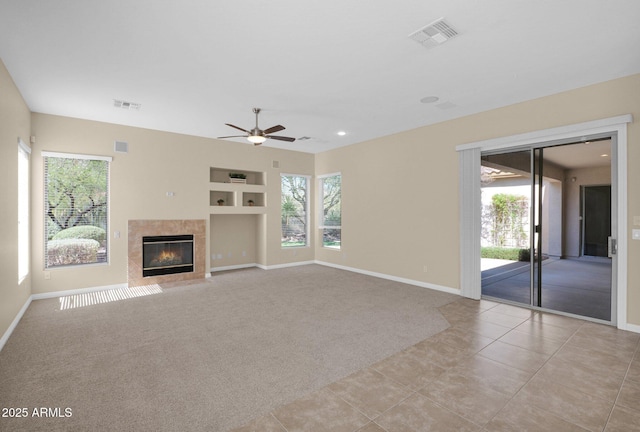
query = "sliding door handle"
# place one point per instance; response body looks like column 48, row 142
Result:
column 612, row 246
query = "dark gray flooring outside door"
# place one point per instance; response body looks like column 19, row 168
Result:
column 578, row 286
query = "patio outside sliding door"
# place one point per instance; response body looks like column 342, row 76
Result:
column 506, row 191
column 545, row 226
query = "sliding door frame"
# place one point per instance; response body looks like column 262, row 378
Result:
column 470, row 225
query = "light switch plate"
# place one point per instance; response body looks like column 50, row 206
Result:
column 635, row 234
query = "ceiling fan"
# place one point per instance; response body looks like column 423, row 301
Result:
column 256, row 135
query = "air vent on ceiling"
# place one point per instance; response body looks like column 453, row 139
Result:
column 436, row 33
column 126, row 105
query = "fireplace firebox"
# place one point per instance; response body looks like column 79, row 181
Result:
column 163, row 255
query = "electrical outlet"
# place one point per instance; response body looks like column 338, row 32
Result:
column 47, row 275
column 425, row 269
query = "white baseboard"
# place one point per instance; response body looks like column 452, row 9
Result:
column 286, row 265
column 632, row 328
column 14, row 323
column 261, row 266
column 393, row 278
column 233, row 267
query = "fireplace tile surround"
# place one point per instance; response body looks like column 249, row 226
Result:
column 152, row 227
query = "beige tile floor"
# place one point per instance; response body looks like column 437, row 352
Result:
column 497, row 368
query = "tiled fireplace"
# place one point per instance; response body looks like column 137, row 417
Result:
column 166, row 251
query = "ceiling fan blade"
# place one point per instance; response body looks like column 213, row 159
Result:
column 236, row 127
column 233, row 136
column 281, row 138
column 273, row 129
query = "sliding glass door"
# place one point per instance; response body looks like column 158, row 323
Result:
column 546, row 219
column 506, row 195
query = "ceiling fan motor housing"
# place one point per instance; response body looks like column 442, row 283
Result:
column 256, row 135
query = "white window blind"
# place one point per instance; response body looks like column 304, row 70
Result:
column 23, row 210
column 76, row 209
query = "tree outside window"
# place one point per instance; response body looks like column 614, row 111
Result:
column 294, row 210
column 331, row 217
column 76, row 209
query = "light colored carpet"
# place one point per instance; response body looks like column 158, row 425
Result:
column 207, row 356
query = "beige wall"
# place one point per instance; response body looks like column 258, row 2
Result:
column 234, row 240
column 15, row 121
column 157, row 163
column 400, row 192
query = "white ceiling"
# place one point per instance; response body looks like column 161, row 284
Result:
column 590, row 154
column 316, row 67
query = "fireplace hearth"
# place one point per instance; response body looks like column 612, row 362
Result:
column 163, row 255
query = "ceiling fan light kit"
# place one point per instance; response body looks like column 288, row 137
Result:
column 256, row 135
column 256, row 139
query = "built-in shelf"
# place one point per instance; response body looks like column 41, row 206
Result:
column 253, row 199
column 228, row 197
column 237, row 195
column 221, row 175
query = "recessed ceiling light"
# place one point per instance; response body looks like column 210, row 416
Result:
column 429, row 99
column 604, row 155
column 342, row 133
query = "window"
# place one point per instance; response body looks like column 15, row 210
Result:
column 331, row 207
column 76, row 212
column 295, row 214
column 23, row 210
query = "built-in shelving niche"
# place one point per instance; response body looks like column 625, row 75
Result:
column 237, row 228
column 237, row 194
column 221, row 175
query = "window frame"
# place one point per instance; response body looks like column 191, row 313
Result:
column 77, row 156
column 24, row 206
column 321, row 225
column 306, row 209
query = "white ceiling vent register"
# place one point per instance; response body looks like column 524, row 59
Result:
column 436, row 33
column 126, row 105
